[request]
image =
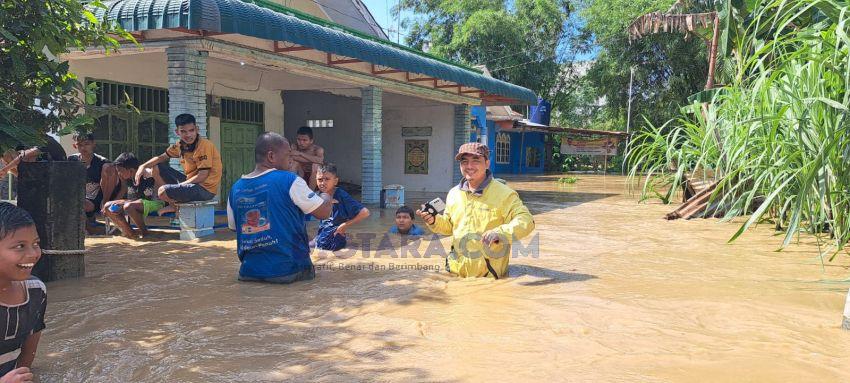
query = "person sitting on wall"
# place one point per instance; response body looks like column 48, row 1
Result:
column 266, row 208
column 347, row 211
column 306, row 156
column 138, row 200
column 483, row 217
column 200, row 160
column 101, row 176
column 404, row 223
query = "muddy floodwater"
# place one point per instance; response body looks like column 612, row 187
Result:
column 610, row 292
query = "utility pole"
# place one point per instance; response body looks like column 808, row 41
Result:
column 629, row 116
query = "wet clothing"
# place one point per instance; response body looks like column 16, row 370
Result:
column 267, row 212
column 21, row 321
column 94, row 170
column 201, row 155
column 344, row 210
column 414, row 230
column 469, row 214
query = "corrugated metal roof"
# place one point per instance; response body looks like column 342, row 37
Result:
column 235, row 16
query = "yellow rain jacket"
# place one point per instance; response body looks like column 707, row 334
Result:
column 469, row 214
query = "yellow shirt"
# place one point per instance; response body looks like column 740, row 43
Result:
column 468, row 215
column 202, row 156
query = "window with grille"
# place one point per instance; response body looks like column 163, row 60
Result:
column 532, row 157
column 241, row 111
column 144, row 98
column 119, row 129
column 503, row 148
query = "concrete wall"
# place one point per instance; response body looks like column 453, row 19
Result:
column 440, row 146
column 342, row 143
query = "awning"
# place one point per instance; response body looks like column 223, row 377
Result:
column 270, row 21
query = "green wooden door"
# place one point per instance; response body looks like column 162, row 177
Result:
column 237, row 152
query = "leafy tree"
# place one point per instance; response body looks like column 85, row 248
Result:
column 520, row 41
column 38, row 94
column 669, row 67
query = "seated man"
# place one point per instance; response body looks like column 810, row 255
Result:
column 404, row 223
column 101, row 178
column 306, row 156
column 137, row 200
column 200, row 160
column 266, row 208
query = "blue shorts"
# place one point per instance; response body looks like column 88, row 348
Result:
column 187, row 192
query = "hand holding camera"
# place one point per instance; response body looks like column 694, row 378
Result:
column 429, row 211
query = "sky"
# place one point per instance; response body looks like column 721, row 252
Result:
column 381, row 11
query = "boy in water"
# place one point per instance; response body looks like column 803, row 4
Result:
column 404, row 223
column 306, row 156
column 346, row 211
column 23, row 297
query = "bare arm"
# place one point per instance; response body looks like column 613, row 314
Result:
column 28, row 350
column 198, row 178
column 108, row 179
column 361, row 215
column 324, row 211
column 317, row 158
column 150, row 164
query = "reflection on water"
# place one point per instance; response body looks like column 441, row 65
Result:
column 616, row 294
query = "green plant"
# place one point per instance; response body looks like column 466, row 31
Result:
column 777, row 138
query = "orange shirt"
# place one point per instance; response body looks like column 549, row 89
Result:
column 194, row 158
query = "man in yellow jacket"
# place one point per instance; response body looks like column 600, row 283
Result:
column 482, row 216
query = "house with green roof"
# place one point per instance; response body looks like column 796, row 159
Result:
column 385, row 113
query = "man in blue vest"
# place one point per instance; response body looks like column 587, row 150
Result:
column 266, row 208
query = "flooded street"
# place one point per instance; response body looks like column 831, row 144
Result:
column 614, row 293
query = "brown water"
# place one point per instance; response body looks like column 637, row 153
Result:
column 616, row 294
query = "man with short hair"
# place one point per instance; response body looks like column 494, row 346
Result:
column 200, row 160
column 266, row 208
column 483, row 217
column 102, row 183
column 306, row 156
column 404, row 225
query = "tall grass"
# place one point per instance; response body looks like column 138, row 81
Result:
column 777, row 137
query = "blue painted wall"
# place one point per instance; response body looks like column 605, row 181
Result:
column 517, row 154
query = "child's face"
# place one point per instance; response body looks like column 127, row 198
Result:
column 403, row 222
column 85, row 147
column 19, row 252
column 326, row 181
column 304, row 141
column 188, row 133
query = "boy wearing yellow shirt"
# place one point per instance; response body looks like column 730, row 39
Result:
column 200, row 160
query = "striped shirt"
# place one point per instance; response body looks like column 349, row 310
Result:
column 20, row 321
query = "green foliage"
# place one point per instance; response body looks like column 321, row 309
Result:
column 519, row 41
column 38, row 93
column 669, row 67
column 778, row 136
column 567, row 180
